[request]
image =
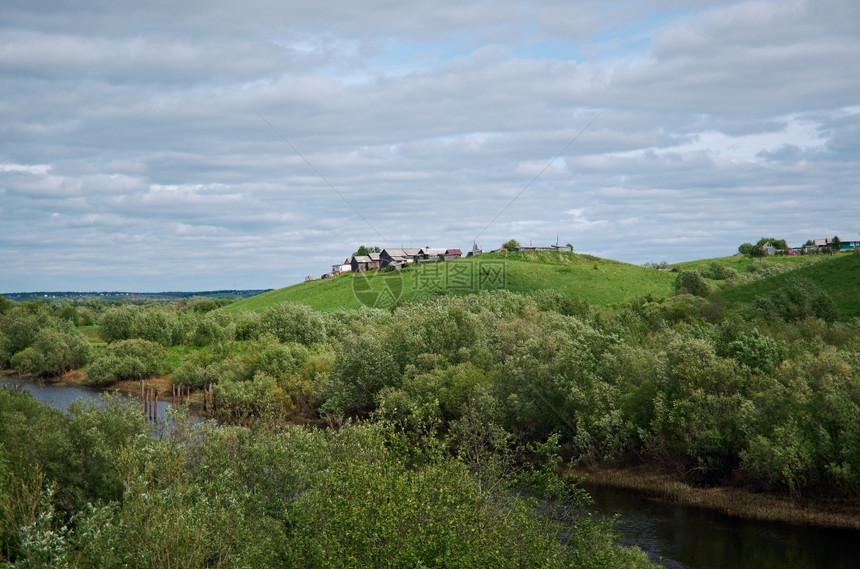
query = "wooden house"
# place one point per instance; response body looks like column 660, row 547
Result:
column 397, row 258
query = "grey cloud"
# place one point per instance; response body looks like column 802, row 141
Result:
column 132, row 155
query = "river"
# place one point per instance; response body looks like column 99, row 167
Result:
column 678, row 537
column 59, row 396
column 685, row 537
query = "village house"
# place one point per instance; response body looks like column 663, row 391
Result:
column 429, row 255
column 361, row 263
column 452, row 254
column 397, row 258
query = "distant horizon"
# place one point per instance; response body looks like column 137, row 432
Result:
column 177, row 291
column 132, row 292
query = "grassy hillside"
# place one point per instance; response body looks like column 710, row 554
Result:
column 837, row 275
column 597, row 281
column 744, row 264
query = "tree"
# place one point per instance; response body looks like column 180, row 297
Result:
column 511, row 244
column 746, row 249
column 778, row 243
column 835, row 243
column 364, row 251
column 5, row 304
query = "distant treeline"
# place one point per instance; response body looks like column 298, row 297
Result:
column 72, row 296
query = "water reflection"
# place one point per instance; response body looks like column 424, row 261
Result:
column 682, row 537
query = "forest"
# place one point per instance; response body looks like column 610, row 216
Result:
column 439, row 432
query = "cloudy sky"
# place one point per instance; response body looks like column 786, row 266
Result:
column 219, row 144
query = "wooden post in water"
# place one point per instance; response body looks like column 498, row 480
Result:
column 154, row 408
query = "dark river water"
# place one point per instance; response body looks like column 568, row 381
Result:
column 678, row 537
column 683, row 537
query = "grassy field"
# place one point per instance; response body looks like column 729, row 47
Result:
column 597, row 281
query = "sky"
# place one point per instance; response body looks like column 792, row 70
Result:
column 245, row 144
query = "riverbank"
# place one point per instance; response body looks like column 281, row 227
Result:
column 162, row 385
column 737, row 502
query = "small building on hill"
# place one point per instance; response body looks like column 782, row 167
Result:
column 344, row 267
column 849, row 245
column 429, row 255
column 361, row 263
column 397, row 258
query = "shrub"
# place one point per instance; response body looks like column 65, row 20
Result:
column 290, row 322
column 54, row 352
column 127, row 359
column 261, row 397
column 690, row 282
column 19, row 326
column 117, row 323
column 362, row 368
column 719, row 272
column 210, row 329
column 157, row 325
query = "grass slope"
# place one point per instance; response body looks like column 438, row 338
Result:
column 597, row 281
column 837, row 275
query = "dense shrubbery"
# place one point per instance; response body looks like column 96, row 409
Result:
column 127, row 359
column 88, row 490
column 768, row 396
column 54, row 351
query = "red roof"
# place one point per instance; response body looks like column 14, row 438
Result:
column 454, row 252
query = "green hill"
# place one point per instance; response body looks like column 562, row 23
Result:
column 597, row 281
column 837, row 275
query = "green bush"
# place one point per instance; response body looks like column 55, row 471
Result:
column 363, row 366
column 19, row 326
column 117, row 323
column 690, row 282
column 54, row 352
column 127, row 359
column 290, row 322
column 157, row 325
